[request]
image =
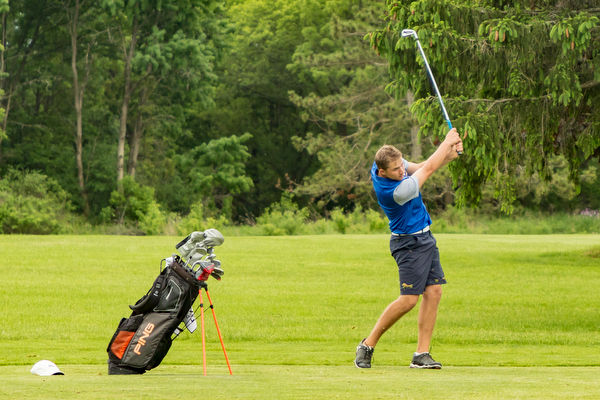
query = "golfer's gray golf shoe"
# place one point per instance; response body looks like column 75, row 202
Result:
column 364, row 354
column 424, row 361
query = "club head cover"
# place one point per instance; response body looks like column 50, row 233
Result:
column 213, row 238
column 186, row 247
column 184, row 241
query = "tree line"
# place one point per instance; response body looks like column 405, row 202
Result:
column 141, row 106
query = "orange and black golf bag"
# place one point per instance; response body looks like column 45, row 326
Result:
column 143, row 340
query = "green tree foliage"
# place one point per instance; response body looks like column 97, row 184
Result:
column 4, row 9
column 521, row 80
column 228, row 102
column 172, row 80
column 283, row 218
column 31, row 203
column 174, row 68
column 40, row 123
column 160, row 41
column 216, row 170
column 255, row 79
column 351, row 115
column 135, row 204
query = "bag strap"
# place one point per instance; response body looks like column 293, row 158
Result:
column 150, row 300
column 186, row 276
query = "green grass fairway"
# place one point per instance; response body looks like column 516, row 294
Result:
column 304, row 382
column 519, row 318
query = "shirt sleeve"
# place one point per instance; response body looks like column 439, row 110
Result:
column 407, row 190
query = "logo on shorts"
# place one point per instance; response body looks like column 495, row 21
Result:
column 405, row 286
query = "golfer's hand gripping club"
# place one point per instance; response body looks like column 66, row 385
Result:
column 453, row 142
column 410, row 32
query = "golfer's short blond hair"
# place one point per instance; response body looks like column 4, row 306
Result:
column 386, row 155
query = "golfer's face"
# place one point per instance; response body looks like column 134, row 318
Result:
column 394, row 171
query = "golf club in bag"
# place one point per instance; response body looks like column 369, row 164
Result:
column 141, row 341
column 412, row 33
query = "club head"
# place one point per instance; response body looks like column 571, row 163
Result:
column 199, row 266
column 217, row 273
column 409, row 32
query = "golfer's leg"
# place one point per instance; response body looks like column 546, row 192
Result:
column 390, row 315
column 427, row 315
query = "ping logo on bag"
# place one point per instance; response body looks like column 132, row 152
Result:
column 142, row 340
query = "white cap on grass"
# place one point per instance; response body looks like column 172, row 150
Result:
column 45, row 368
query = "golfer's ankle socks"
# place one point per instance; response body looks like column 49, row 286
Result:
column 418, row 354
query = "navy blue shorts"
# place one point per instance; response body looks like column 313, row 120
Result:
column 418, row 260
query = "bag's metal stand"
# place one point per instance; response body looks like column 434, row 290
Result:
column 193, row 248
column 205, row 287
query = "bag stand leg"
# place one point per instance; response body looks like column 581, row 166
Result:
column 212, row 308
column 202, row 324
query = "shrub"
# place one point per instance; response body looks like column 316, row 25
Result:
column 283, row 218
column 466, row 220
column 193, row 222
column 135, row 204
column 340, row 220
column 376, row 222
column 32, row 203
column 196, row 220
column 152, row 222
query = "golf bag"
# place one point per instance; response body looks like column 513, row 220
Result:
column 143, row 340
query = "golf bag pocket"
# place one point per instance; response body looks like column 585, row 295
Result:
column 122, row 337
column 152, row 334
column 172, row 296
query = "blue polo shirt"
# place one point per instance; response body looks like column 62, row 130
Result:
column 401, row 201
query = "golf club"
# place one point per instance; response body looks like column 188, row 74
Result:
column 410, row 32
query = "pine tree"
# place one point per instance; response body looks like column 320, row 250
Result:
column 350, row 114
column 520, row 79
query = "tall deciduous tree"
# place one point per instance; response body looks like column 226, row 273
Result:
column 253, row 93
column 29, row 17
column 77, row 12
column 350, row 113
column 521, row 80
column 129, row 15
column 4, row 8
column 160, row 41
column 179, row 59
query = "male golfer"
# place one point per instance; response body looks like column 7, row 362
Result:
column 396, row 183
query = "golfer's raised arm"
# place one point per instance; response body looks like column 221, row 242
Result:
column 445, row 153
column 412, row 167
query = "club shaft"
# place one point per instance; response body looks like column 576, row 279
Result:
column 437, row 91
